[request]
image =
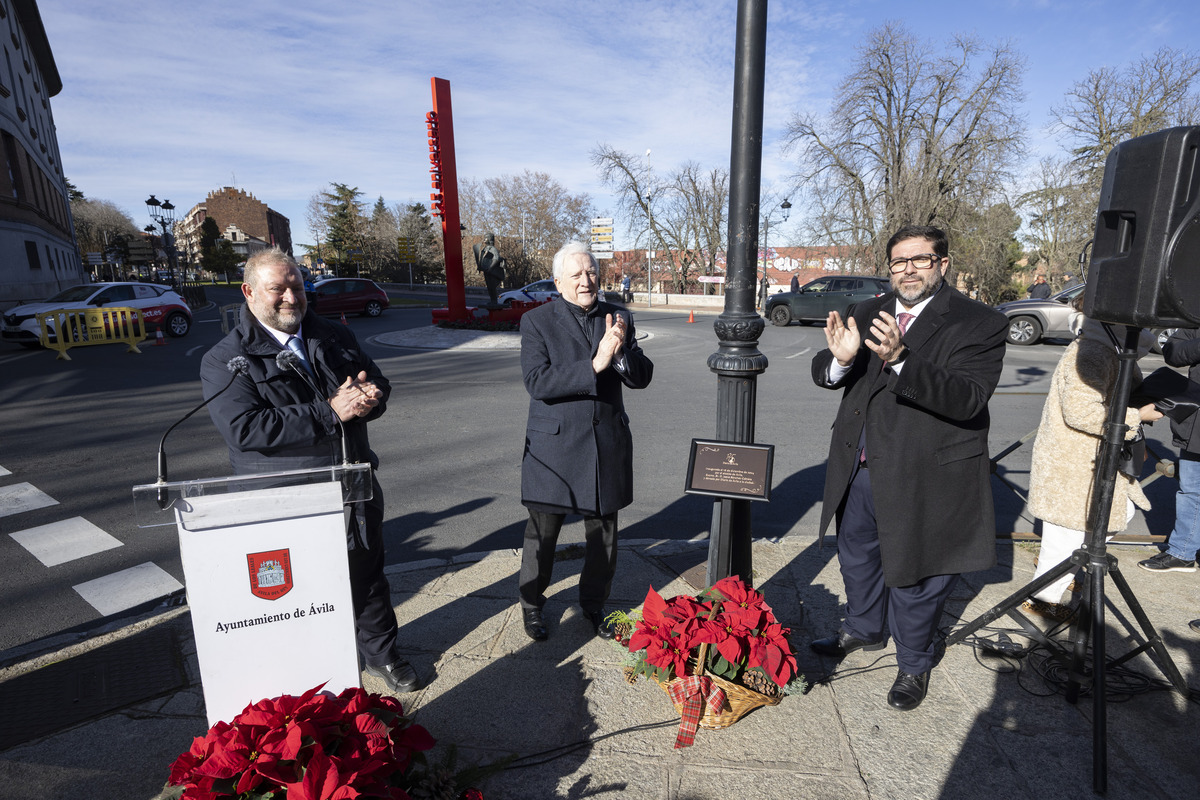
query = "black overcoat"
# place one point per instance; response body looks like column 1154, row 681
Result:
column 578, row 448
column 926, row 436
column 1183, row 350
column 271, row 419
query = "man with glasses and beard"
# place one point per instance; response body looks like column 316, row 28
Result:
column 908, row 477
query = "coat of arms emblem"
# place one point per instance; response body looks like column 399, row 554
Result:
column 270, row 573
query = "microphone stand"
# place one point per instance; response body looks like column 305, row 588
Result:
column 237, row 365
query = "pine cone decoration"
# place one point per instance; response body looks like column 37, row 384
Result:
column 623, row 630
column 755, row 680
column 438, row 784
column 630, row 675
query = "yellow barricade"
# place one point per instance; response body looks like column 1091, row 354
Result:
column 78, row 327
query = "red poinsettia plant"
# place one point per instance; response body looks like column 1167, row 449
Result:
column 733, row 619
column 312, row 747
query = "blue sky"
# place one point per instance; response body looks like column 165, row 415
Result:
column 281, row 98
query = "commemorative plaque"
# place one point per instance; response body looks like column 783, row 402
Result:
column 732, row 470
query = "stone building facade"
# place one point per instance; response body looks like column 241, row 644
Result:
column 38, row 255
column 235, row 211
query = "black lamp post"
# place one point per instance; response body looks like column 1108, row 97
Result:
column 738, row 361
column 164, row 214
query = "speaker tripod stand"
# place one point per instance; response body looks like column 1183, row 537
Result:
column 1097, row 563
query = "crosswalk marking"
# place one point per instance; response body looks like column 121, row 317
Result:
column 60, row 542
column 22, row 497
column 127, row 588
column 67, row 540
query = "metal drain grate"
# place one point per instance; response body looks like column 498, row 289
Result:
column 90, row 685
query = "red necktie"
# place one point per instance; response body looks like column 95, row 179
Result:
column 903, row 319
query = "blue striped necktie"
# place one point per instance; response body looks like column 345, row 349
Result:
column 297, row 346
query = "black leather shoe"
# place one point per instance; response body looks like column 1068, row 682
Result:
column 535, row 626
column 602, row 628
column 399, row 676
column 908, row 691
column 842, row 645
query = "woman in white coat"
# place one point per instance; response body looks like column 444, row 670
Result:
column 1064, row 455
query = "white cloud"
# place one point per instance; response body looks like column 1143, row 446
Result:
column 290, row 96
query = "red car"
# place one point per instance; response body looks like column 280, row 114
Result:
column 348, row 296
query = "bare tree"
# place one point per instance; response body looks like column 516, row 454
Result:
column 531, row 215
column 1061, row 213
column 1110, row 105
column 918, row 133
column 987, row 244
column 684, row 213
column 635, row 186
column 336, row 217
column 317, row 219
column 1107, row 107
column 415, row 223
column 98, row 222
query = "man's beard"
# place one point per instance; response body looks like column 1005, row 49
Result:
column 285, row 319
column 913, row 295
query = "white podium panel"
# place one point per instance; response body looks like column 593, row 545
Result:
column 269, row 590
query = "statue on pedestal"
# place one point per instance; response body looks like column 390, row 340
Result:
column 489, row 261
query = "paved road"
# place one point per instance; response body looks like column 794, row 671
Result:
column 75, row 436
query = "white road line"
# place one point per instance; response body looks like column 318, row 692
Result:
column 127, row 588
column 14, row 356
column 194, row 349
column 60, row 542
column 4, row 472
column 802, row 352
column 23, row 497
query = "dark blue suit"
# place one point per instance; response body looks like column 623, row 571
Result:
column 920, row 512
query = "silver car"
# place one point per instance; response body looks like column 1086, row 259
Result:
column 1029, row 321
column 536, row 292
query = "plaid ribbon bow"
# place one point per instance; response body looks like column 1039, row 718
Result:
column 691, row 694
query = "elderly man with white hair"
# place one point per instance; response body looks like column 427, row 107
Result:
column 577, row 353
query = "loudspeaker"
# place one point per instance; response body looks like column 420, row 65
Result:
column 1146, row 253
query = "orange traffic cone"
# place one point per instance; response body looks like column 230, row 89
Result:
column 159, row 340
column 691, row 316
column 344, row 318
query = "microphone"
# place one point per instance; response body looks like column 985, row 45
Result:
column 238, row 365
column 286, row 360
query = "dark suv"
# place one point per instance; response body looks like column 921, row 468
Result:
column 817, row 298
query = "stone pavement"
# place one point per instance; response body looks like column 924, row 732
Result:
column 990, row 726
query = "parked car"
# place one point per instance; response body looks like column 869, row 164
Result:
column 348, row 296
column 161, row 307
column 817, row 298
column 1031, row 321
column 535, row 292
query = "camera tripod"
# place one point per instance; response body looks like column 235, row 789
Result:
column 1097, row 563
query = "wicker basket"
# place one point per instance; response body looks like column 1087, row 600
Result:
column 739, row 701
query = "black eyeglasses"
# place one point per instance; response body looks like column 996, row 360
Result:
column 920, row 261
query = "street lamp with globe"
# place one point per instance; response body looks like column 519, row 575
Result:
column 164, row 214
column 786, row 207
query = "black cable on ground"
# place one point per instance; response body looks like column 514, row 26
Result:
column 1121, row 682
column 520, row 762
